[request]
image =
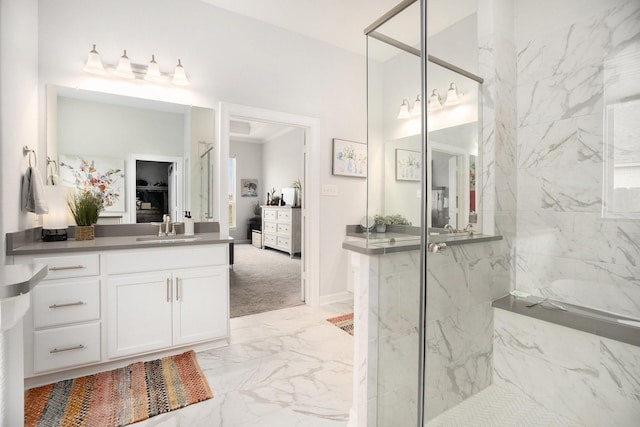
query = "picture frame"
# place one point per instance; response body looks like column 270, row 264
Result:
column 349, row 158
column 249, row 187
column 408, row 165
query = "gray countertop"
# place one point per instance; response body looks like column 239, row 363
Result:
column 393, row 241
column 19, row 279
column 111, row 243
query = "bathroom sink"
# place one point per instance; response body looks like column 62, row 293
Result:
column 166, row 239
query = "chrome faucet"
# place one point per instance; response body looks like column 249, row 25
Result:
column 167, row 223
column 469, row 228
column 449, row 228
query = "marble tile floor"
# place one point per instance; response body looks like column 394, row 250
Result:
column 499, row 406
column 284, row 368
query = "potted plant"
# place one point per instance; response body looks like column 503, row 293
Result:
column 85, row 208
column 381, row 223
column 298, row 188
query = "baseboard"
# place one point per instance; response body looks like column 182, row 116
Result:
column 339, row 297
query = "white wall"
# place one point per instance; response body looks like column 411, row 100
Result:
column 282, row 160
column 248, row 166
column 228, row 58
column 18, row 108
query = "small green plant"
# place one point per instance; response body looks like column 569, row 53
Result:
column 85, row 208
column 257, row 209
column 396, row 219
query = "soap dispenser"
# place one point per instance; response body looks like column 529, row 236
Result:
column 188, row 224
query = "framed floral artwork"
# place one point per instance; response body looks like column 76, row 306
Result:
column 349, row 158
column 101, row 176
column 408, row 165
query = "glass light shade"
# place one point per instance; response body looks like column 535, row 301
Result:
column 94, row 63
column 56, row 219
column 404, row 110
column 452, row 95
column 435, row 103
column 124, row 67
column 153, row 71
column 417, row 107
column 179, row 76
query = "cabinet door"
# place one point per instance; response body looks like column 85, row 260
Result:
column 139, row 313
column 201, row 305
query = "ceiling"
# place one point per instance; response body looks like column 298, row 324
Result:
column 255, row 132
column 342, row 22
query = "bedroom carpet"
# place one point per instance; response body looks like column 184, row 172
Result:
column 263, row 280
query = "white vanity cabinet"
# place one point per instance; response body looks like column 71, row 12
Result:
column 281, row 228
column 98, row 307
column 176, row 297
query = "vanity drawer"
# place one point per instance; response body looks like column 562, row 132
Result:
column 65, row 347
column 63, row 267
column 268, row 239
column 284, row 228
column 59, row 303
column 284, row 215
column 269, row 214
column 269, row 227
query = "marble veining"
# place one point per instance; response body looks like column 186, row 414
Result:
column 287, row 367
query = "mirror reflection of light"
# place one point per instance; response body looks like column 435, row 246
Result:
column 412, row 127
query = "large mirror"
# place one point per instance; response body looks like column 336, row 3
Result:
column 156, row 155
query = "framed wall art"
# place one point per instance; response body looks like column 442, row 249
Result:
column 349, row 158
column 408, row 165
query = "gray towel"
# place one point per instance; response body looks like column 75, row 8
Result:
column 33, row 198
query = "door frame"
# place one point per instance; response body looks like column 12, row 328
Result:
column 311, row 195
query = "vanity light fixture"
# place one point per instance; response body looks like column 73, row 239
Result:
column 453, row 97
column 124, row 67
column 128, row 70
column 404, row 110
column 179, row 76
column 94, row 63
column 435, row 102
column 153, row 71
column 417, row 107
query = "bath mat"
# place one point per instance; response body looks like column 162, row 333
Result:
column 119, row 397
column 344, row 322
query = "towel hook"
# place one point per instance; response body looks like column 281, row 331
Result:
column 26, row 151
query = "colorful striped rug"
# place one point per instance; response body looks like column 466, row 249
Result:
column 119, row 397
column 344, row 322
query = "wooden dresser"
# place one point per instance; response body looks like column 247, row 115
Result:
column 281, row 228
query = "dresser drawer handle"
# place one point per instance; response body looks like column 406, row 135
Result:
column 71, row 267
column 60, row 350
column 70, row 304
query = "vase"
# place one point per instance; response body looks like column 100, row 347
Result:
column 381, row 228
column 85, row 232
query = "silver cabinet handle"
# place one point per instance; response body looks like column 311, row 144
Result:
column 71, row 267
column 168, row 290
column 177, row 289
column 60, row 350
column 71, row 304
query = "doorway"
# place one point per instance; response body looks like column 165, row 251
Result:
column 310, row 196
column 157, row 188
column 265, row 161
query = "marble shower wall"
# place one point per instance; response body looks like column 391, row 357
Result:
column 396, row 311
column 591, row 380
column 562, row 87
column 462, row 281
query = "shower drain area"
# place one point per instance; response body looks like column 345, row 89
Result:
column 499, row 406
